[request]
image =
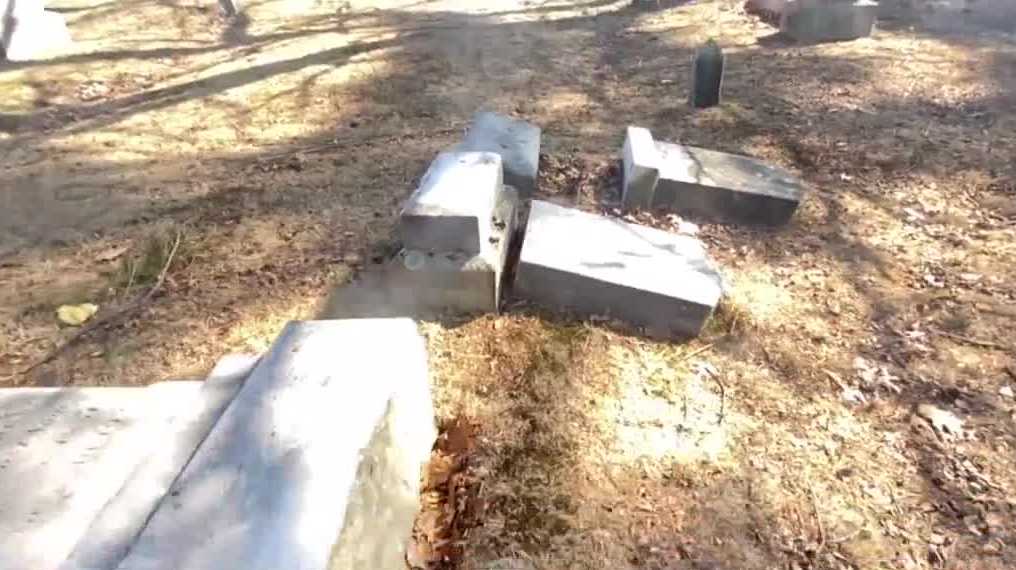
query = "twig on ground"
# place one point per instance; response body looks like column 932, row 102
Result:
column 130, row 279
column 818, row 519
column 723, row 394
column 723, row 399
column 695, row 353
column 973, row 341
column 113, row 318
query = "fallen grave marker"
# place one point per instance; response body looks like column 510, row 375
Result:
column 707, row 183
column 594, row 265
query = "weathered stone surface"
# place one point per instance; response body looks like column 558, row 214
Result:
column 314, row 465
column 724, row 187
column 64, row 452
column 453, row 208
column 595, row 265
column 109, row 536
column 641, row 161
column 828, row 20
column 29, row 32
column 707, row 183
column 440, row 284
column 429, row 285
column 516, row 141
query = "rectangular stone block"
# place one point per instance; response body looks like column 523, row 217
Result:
column 641, row 161
column 444, row 284
column 429, row 285
column 594, row 265
column 724, row 187
column 516, row 141
column 813, row 21
column 315, row 464
column 453, row 207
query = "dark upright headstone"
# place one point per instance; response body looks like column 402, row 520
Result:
column 707, row 76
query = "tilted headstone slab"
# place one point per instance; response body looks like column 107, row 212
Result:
column 315, row 464
column 725, row 187
column 594, row 265
column 430, row 285
column 110, row 535
column 812, row 21
column 641, row 168
column 452, row 209
column 65, row 452
column 515, row 141
column 461, row 283
column 709, row 184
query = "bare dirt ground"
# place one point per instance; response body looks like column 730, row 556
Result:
column 278, row 146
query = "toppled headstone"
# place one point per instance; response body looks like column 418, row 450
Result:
column 452, row 208
column 456, row 230
column 467, row 283
column 516, row 141
column 812, row 21
column 770, row 11
column 65, row 452
column 28, row 31
column 428, row 284
column 314, row 465
column 641, row 168
column 110, row 535
column 706, row 183
column 600, row 266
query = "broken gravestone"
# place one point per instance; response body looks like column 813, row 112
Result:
column 515, row 141
column 705, row 183
column 813, row 21
column 314, row 465
column 598, row 266
column 455, row 231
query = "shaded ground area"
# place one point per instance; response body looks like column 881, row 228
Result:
column 279, row 146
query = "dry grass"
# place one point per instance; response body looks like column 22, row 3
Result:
column 282, row 146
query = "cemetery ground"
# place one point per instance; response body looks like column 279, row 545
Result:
column 239, row 170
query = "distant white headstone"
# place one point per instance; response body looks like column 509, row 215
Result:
column 28, row 31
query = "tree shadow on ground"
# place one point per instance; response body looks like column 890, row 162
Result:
column 272, row 229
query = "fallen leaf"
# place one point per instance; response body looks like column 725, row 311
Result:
column 111, row 254
column 439, row 470
column 1006, row 391
column 852, row 396
column 76, row 315
column 419, row 554
column 942, row 420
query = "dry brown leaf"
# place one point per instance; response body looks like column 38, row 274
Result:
column 111, row 254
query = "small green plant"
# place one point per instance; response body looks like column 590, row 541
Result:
column 144, row 268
